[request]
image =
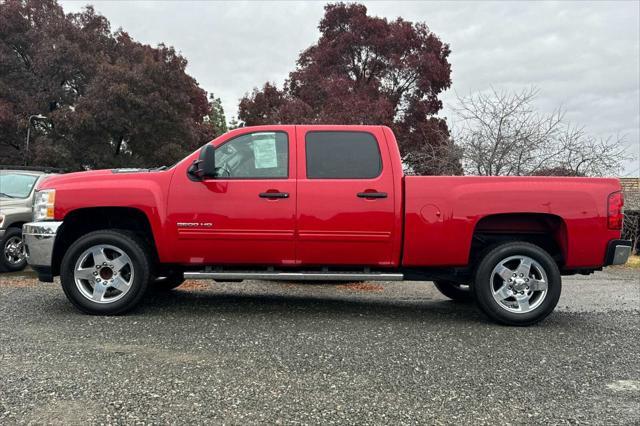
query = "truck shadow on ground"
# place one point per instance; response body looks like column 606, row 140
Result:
column 335, row 307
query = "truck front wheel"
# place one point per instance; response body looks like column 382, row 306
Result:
column 517, row 284
column 106, row 272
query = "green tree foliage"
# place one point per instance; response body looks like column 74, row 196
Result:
column 233, row 124
column 216, row 118
column 109, row 100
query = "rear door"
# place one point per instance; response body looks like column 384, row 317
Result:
column 346, row 212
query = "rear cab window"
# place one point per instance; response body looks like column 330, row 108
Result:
column 342, row 155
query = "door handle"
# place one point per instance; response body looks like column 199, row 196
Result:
column 372, row 195
column 274, row 195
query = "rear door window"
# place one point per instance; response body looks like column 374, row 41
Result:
column 342, row 155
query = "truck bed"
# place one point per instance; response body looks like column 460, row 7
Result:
column 443, row 213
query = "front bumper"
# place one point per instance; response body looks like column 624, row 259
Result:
column 618, row 252
column 39, row 239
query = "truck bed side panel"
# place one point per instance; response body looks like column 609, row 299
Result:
column 441, row 214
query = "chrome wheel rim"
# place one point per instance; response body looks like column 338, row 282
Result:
column 14, row 250
column 519, row 284
column 103, row 273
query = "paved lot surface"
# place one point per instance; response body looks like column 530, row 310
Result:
column 395, row 353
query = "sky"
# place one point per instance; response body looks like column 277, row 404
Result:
column 583, row 56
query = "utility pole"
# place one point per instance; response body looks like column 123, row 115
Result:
column 26, row 149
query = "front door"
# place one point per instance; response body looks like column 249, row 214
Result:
column 346, row 210
column 247, row 214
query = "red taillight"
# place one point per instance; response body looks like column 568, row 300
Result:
column 614, row 210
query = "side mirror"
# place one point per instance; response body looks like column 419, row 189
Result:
column 205, row 166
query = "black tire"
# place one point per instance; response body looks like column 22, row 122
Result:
column 454, row 291
column 8, row 260
column 127, row 242
column 168, row 282
column 484, row 287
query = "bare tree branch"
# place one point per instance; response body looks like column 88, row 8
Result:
column 501, row 133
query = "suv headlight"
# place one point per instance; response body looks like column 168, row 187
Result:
column 43, row 204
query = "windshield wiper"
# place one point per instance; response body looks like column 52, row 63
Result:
column 2, row 194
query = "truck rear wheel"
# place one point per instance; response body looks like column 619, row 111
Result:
column 517, row 284
column 454, row 290
column 105, row 272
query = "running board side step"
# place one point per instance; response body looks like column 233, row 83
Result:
column 295, row 276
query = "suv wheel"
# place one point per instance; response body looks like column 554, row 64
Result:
column 517, row 284
column 12, row 257
column 105, row 272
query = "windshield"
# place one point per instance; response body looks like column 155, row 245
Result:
column 16, row 185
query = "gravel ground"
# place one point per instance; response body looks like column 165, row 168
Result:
column 256, row 352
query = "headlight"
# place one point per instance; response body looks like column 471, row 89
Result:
column 43, row 204
column 1, row 220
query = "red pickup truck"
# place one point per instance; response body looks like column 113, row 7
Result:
column 321, row 203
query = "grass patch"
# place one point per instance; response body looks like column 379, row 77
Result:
column 633, row 262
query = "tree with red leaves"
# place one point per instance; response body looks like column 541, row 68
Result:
column 109, row 100
column 368, row 70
